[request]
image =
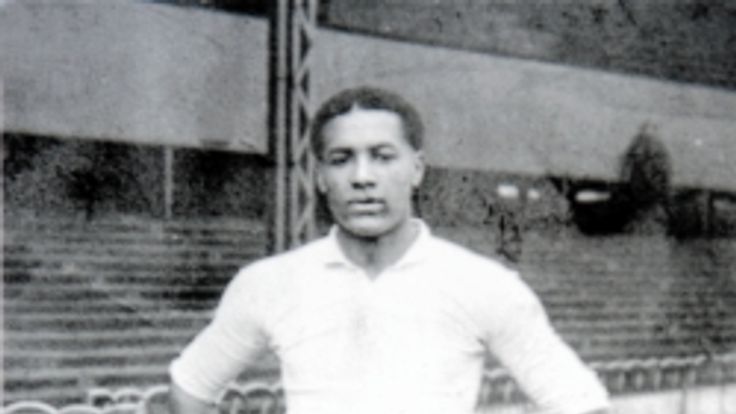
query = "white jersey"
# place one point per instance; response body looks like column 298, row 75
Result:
column 412, row 340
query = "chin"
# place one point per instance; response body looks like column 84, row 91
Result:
column 366, row 228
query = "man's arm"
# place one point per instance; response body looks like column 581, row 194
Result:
column 547, row 369
column 181, row 402
column 231, row 343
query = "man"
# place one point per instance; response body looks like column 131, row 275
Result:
column 380, row 316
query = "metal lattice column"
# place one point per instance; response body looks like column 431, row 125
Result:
column 294, row 27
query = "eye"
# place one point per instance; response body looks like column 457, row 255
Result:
column 384, row 155
column 337, row 158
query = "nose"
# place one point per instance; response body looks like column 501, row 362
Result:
column 362, row 174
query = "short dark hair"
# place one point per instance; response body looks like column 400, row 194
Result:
column 366, row 97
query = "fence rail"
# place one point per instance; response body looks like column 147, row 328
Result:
column 652, row 378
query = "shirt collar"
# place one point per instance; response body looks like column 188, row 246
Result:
column 334, row 256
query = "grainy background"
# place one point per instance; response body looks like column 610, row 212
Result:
column 102, row 290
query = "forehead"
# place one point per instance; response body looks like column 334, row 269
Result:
column 364, row 127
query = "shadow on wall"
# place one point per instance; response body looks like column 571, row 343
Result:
column 91, row 179
column 50, row 176
column 639, row 202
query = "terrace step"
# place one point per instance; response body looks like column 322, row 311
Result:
column 102, row 303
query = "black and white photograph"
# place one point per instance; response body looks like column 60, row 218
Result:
column 368, row 206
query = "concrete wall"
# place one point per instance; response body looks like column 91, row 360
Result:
column 681, row 40
column 135, row 71
column 491, row 113
column 140, row 72
column 705, row 400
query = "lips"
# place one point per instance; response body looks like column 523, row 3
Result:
column 368, row 205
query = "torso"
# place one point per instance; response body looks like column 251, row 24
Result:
column 388, row 341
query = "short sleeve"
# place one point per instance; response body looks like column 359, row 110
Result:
column 231, row 342
column 518, row 333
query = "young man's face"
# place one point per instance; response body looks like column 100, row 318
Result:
column 368, row 171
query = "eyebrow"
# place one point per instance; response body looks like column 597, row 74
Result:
column 384, row 146
column 380, row 146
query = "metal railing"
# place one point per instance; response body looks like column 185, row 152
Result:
column 498, row 388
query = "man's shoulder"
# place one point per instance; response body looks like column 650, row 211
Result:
column 463, row 257
column 287, row 262
column 267, row 284
column 486, row 285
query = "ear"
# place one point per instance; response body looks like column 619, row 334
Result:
column 320, row 179
column 419, row 168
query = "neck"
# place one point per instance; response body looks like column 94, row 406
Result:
column 375, row 254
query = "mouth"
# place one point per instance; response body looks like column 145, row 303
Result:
column 368, row 205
